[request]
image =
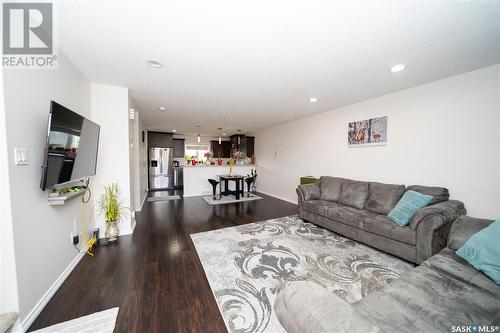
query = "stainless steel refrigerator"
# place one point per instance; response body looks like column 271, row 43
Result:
column 161, row 169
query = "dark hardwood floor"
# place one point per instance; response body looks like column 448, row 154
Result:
column 155, row 275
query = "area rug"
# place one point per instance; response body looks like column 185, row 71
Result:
column 98, row 322
column 246, row 264
column 229, row 199
column 164, row 198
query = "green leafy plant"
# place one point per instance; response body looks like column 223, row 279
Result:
column 109, row 204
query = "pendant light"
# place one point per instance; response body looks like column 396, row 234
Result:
column 198, row 137
column 220, row 138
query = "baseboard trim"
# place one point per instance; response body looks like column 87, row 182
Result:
column 143, row 201
column 278, row 197
column 190, row 195
column 33, row 314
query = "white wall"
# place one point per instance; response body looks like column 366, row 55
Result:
column 138, row 162
column 8, row 280
column 143, row 161
column 109, row 105
column 445, row 133
column 41, row 232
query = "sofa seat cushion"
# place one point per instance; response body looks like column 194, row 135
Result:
column 426, row 300
column 330, row 188
column 383, row 198
column 319, row 207
column 383, row 226
column 304, row 306
column 349, row 215
column 354, row 193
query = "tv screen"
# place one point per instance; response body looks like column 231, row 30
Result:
column 71, row 147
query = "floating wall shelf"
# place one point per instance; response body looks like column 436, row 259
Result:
column 61, row 199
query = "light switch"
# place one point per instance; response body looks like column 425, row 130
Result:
column 21, row 156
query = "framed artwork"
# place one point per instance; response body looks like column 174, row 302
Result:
column 370, row 132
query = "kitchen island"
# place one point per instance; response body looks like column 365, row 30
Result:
column 196, row 177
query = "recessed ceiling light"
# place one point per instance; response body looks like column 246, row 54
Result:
column 162, row 108
column 313, row 100
column 154, row 63
column 174, row 130
column 224, row 134
column 397, row 68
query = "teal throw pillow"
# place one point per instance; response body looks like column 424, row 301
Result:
column 482, row 250
column 407, row 206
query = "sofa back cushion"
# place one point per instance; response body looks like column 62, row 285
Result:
column 383, row 198
column 482, row 251
column 439, row 194
column 330, row 188
column 354, row 193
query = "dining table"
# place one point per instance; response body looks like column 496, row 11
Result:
column 239, row 185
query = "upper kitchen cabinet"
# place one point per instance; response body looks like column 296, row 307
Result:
column 247, row 145
column 243, row 143
column 179, row 148
column 220, row 150
column 160, row 140
column 235, row 141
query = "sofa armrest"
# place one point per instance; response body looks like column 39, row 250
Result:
column 432, row 234
column 307, row 307
column 450, row 210
column 308, row 192
column 463, row 228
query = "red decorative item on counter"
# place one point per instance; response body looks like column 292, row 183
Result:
column 212, row 163
column 219, row 162
column 193, row 162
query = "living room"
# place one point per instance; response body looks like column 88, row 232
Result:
column 339, row 167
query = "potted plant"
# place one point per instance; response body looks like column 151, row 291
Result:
column 54, row 193
column 113, row 211
column 207, row 155
column 187, row 158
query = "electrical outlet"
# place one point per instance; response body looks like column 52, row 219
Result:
column 74, row 236
column 76, row 239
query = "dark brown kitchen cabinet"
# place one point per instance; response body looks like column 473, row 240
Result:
column 235, row 142
column 160, row 139
column 247, row 146
column 179, row 148
column 220, row 150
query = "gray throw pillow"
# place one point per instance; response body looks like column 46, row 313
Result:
column 383, row 197
column 330, row 188
column 354, row 193
column 439, row 194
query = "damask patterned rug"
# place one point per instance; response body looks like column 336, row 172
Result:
column 246, row 264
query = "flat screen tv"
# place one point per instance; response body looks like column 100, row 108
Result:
column 71, row 147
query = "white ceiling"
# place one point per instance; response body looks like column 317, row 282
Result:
column 253, row 64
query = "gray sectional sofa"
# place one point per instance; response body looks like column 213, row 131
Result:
column 443, row 294
column 358, row 210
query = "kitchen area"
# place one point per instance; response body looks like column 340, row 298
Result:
column 182, row 165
